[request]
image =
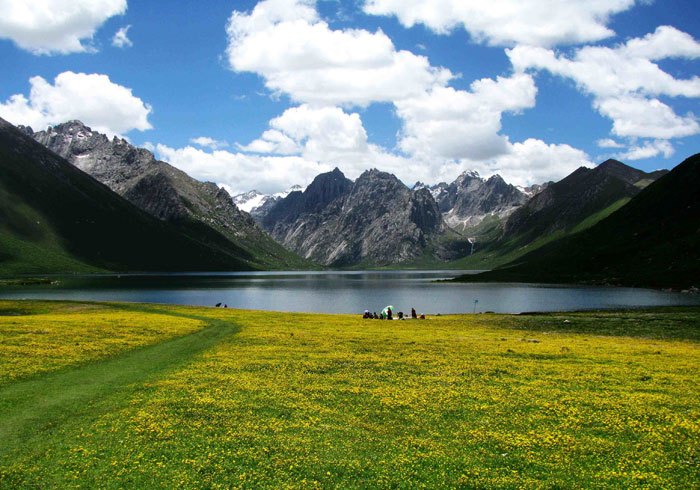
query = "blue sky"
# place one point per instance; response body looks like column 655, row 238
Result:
column 268, row 94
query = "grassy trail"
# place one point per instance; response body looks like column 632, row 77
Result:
column 33, row 408
column 254, row 399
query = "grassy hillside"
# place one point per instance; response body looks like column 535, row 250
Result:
column 562, row 209
column 228, row 399
column 495, row 253
column 55, row 218
column 654, row 240
column 28, row 244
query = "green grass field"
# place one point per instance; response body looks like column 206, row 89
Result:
column 147, row 396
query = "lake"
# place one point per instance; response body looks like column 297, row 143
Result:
column 344, row 292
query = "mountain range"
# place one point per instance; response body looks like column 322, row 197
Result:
column 373, row 221
column 378, row 221
column 197, row 208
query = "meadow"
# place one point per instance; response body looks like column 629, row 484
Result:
column 148, row 396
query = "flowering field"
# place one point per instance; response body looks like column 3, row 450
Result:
column 40, row 336
column 278, row 400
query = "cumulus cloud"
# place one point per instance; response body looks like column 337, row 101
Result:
column 121, row 38
column 240, row 172
column 92, row 98
column 455, row 124
column 635, row 116
column 532, row 162
column 647, row 149
column 332, row 137
column 509, row 22
column 444, row 131
column 272, row 141
column 55, row 26
column 625, row 82
column 207, row 142
column 327, row 135
column 297, row 54
column 609, row 143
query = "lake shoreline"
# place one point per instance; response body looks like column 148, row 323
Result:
column 338, row 292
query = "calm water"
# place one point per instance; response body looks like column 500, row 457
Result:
column 345, row 292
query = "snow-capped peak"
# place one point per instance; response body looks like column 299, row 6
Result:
column 250, row 200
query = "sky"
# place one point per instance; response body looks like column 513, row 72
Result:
column 267, row 94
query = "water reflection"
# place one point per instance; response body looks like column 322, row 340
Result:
column 344, row 292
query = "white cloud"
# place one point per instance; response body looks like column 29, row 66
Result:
column 332, row 137
column 509, row 22
column 444, row 130
column 91, row 98
column 455, row 124
column 327, row 135
column 665, row 42
column 121, row 38
column 207, row 142
column 532, row 162
column 648, row 118
column 609, row 143
column 55, row 26
column 297, row 54
column 272, row 141
column 239, row 172
column 648, row 149
column 625, row 82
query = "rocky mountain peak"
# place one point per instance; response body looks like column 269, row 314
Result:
column 324, row 189
column 496, row 180
column 468, row 174
column 375, row 220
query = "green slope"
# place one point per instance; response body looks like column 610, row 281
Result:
column 652, row 241
column 55, row 218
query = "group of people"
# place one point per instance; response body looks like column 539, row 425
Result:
column 387, row 314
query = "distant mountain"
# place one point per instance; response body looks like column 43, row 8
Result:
column 533, row 189
column 258, row 204
column 56, row 218
column 654, row 240
column 470, row 199
column 197, row 208
column 373, row 221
